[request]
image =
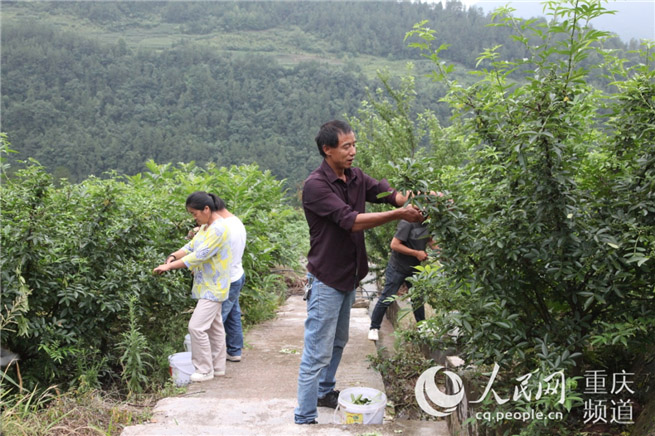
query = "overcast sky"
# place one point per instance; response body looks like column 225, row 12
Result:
column 633, row 19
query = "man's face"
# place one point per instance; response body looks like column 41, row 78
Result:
column 342, row 155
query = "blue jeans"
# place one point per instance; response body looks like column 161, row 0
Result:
column 326, row 335
column 231, row 313
column 393, row 280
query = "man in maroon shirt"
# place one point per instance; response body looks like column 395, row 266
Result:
column 334, row 199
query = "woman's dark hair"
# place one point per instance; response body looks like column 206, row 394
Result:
column 199, row 199
column 329, row 133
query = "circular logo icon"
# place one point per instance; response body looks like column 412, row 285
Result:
column 426, row 386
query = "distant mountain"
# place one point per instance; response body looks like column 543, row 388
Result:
column 96, row 86
column 632, row 20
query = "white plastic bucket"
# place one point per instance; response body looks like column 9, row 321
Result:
column 349, row 413
column 187, row 342
column 181, row 367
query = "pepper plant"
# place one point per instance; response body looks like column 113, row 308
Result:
column 80, row 302
column 547, row 230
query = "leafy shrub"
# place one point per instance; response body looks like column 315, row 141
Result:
column 547, row 228
column 534, row 240
column 135, row 359
column 75, row 255
column 397, row 142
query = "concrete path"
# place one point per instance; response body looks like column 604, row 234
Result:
column 257, row 395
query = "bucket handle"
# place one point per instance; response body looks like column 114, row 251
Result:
column 334, row 415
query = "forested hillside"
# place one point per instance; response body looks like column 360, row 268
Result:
column 89, row 87
column 545, row 270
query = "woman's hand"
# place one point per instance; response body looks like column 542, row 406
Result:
column 161, row 269
column 173, row 261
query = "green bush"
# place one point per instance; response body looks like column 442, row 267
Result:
column 550, row 235
column 397, row 142
column 75, row 255
column 547, row 229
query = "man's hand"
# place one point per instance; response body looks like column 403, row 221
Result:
column 411, row 213
column 421, row 255
column 368, row 220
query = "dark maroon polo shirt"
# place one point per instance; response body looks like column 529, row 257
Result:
column 337, row 256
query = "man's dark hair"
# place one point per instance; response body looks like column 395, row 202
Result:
column 329, row 134
column 199, row 199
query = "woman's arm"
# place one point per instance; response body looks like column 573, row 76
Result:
column 177, row 255
column 173, row 261
column 173, row 264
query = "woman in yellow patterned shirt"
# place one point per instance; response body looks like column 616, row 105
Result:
column 208, row 256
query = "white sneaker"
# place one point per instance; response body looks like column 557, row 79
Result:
column 373, row 335
column 233, row 358
column 200, row 377
column 219, row 373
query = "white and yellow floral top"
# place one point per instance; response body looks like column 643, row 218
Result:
column 208, row 256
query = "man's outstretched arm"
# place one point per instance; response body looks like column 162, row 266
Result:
column 365, row 221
